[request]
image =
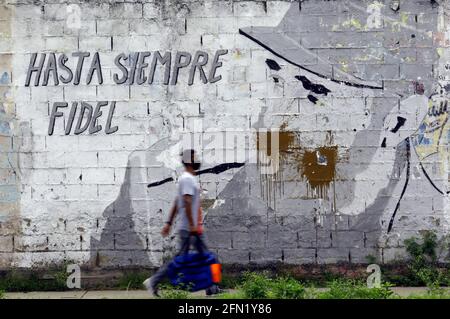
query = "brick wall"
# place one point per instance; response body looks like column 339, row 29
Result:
column 353, row 90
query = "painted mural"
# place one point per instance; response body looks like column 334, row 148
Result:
column 322, row 126
column 330, row 189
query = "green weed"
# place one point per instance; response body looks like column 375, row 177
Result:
column 170, row 292
column 132, row 280
column 256, row 285
column 261, row 286
column 424, row 260
column 15, row 282
column 287, row 288
column 352, row 289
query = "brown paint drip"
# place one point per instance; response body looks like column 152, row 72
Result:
column 318, row 167
column 285, row 139
column 271, row 184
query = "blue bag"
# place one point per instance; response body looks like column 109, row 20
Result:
column 192, row 271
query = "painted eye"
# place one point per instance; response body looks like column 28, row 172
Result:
column 313, row 87
column 276, row 78
column 273, row 65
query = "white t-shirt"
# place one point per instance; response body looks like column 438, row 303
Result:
column 188, row 185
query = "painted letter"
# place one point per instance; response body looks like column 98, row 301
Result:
column 122, row 68
column 179, row 64
column 108, row 128
column 93, row 128
column 32, row 68
column 216, row 64
column 84, row 107
column 198, row 64
column 54, row 115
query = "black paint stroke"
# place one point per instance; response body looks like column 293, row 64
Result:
column 273, row 65
column 315, row 88
column 213, row 170
column 220, row 168
column 383, row 144
column 431, row 181
column 408, row 172
column 400, row 122
column 166, row 180
column 306, row 69
column 312, row 98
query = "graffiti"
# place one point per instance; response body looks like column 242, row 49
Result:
column 400, row 122
column 343, row 73
column 327, row 176
column 408, row 172
column 132, row 68
column 213, row 170
column 53, row 63
column 428, row 137
column 273, row 65
column 315, row 88
column 86, row 113
column 319, row 168
column 312, row 98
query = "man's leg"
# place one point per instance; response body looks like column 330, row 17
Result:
column 152, row 283
column 184, row 242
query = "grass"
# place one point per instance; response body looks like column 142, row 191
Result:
column 352, row 289
column 132, row 280
column 170, row 292
column 2, row 294
column 18, row 282
column 263, row 286
column 424, row 260
column 230, row 281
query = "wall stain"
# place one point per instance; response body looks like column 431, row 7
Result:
column 9, row 176
column 318, row 167
column 272, row 156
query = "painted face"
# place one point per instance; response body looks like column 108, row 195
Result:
column 319, row 121
column 319, row 111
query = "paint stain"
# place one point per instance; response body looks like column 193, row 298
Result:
column 273, row 65
column 273, row 149
column 4, row 78
column 312, row 99
column 315, row 166
column 318, row 167
column 400, row 122
column 313, row 87
column 267, row 144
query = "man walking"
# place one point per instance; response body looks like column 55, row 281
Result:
column 187, row 207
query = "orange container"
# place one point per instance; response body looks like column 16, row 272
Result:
column 216, row 272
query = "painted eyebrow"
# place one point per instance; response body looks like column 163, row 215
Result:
column 313, row 87
column 273, row 65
